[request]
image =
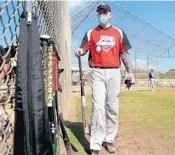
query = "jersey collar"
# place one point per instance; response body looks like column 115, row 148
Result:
column 104, row 28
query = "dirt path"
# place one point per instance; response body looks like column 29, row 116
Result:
column 132, row 141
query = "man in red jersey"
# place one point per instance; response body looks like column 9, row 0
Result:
column 106, row 45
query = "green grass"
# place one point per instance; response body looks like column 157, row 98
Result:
column 75, row 130
column 153, row 111
column 148, row 110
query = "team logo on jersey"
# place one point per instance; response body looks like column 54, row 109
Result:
column 105, row 43
column 98, row 48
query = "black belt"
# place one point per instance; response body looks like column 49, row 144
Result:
column 105, row 67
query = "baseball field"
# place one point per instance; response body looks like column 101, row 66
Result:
column 147, row 123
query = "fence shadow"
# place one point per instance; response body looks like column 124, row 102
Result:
column 77, row 130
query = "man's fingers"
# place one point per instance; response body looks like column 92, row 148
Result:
column 78, row 53
column 131, row 76
column 133, row 79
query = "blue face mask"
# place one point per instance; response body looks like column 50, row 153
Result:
column 103, row 19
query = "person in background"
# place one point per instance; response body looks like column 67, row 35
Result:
column 151, row 79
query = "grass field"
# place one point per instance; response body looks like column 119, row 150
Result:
column 150, row 113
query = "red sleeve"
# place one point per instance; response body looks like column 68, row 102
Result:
column 122, row 48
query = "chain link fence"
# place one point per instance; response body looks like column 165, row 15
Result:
column 9, row 29
column 53, row 20
column 151, row 47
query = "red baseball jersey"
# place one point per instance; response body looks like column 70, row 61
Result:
column 104, row 46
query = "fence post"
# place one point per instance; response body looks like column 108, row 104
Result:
column 148, row 69
column 136, row 69
column 158, row 72
column 28, row 8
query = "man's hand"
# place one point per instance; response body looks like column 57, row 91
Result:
column 79, row 52
column 132, row 77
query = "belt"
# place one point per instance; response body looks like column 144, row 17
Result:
column 105, row 67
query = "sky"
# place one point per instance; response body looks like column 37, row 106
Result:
column 159, row 13
column 6, row 13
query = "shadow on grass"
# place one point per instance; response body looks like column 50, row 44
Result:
column 77, row 130
column 144, row 90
